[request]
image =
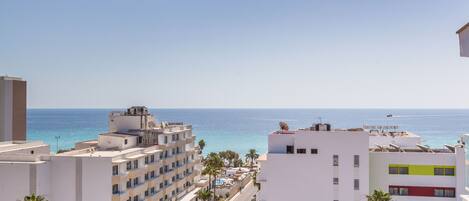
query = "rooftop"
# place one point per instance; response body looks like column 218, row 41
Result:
column 463, row 28
column 9, row 146
column 10, row 78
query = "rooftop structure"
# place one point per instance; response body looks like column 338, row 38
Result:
column 463, row 34
column 348, row 164
column 12, row 109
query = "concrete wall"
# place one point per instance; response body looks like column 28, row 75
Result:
column 107, row 141
column 22, row 179
column 464, row 42
column 96, row 179
column 300, row 176
column 12, row 109
column 64, row 179
column 19, row 110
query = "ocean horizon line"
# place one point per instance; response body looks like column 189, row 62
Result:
column 254, row 108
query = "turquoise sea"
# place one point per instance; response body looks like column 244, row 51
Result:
column 242, row 129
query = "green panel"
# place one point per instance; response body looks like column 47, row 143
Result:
column 427, row 170
column 421, row 170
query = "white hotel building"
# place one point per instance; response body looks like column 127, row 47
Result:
column 324, row 164
column 137, row 160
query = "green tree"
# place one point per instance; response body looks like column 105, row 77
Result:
column 201, row 145
column 252, row 156
column 204, row 195
column 213, row 167
column 229, row 156
column 379, row 195
column 238, row 163
column 34, row 197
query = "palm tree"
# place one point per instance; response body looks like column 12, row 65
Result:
column 204, row 195
column 213, row 166
column 201, row 145
column 34, row 197
column 238, row 163
column 379, row 195
column 252, row 156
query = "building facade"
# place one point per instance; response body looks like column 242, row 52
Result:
column 12, row 109
column 325, row 164
column 118, row 165
column 315, row 163
column 463, row 34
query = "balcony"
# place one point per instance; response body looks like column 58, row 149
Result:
column 120, row 196
column 120, row 178
column 137, row 189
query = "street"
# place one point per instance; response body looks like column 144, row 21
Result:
column 246, row 194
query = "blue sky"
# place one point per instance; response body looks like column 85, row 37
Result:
column 243, row 53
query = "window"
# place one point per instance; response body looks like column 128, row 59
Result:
column 146, row 160
column 146, row 193
column 393, row 170
column 335, row 181
column 449, row 171
column 314, row 151
column 115, row 170
column 356, row 184
column 403, row 191
column 135, row 164
column 449, row 193
column 129, row 183
column 290, row 149
column 393, row 190
column 115, row 189
column 136, row 198
column 439, row 171
column 129, row 165
column 135, row 181
column 146, row 176
column 403, row 170
column 166, row 139
column 439, row 193
column 152, row 190
column 301, row 151
column 32, row 152
column 125, row 141
column 161, row 185
column 152, row 158
column 356, row 161
column 335, row 160
column 161, row 170
column 152, row 174
column 140, row 139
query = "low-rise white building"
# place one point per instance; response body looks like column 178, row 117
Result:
column 156, row 162
column 316, row 163
column 321, row 163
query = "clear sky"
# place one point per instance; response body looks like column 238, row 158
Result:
column 242, row 53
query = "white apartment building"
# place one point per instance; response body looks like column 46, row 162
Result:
column 315, row 163
column 325, row 164
column 156, row 162
column 463, row 33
